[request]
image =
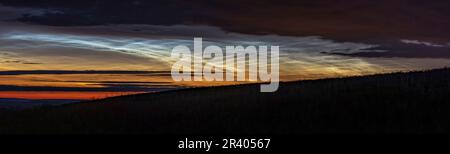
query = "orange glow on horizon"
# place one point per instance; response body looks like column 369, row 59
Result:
column 76, row 95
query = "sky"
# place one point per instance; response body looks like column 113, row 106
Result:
column 95, row 49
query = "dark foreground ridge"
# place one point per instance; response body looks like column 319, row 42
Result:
column 415, row 102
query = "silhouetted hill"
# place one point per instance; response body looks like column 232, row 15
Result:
column 20, row 104
column 416, row 102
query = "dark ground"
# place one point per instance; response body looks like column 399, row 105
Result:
column 416, row 102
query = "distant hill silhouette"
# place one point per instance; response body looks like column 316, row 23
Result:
column 415, row 102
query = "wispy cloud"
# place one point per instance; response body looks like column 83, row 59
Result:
column 304, row 57
column 425, row 43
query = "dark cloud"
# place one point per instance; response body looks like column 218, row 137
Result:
column 116, row 82
column 31, row 63
column 95, row 86
column 404, row 49
column 83, row 12
column 11, row 13
column 21, row 62
column 344, row 19
column 63, row 72
column 107, row 88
